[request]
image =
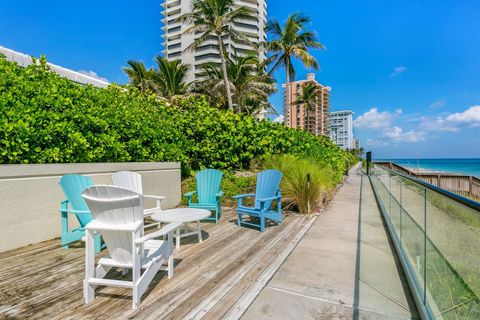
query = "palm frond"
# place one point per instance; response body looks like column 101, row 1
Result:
column 170, row 77
column 292, row 40
column 139, row 76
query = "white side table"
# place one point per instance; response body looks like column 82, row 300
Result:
column 186, row 216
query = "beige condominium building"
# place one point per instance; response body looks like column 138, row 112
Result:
column 176, row 42
column 295, row 115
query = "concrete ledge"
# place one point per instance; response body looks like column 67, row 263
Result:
column 39, row 170
column 30, row 195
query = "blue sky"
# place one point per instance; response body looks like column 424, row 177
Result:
column 410, row 70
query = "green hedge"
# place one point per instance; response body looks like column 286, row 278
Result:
column 45, row 118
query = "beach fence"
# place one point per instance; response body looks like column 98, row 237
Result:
column 466, row 186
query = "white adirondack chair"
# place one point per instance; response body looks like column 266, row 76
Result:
column 133, row 181
column 118, row 217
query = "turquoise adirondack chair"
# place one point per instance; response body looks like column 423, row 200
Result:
column 73, row 185
column 267, row 191
column 208, row 192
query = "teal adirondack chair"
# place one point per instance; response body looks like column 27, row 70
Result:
column 208, row 192
column 267, row 191
column 73, row 185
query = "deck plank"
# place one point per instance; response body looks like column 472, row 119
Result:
column 45, row 280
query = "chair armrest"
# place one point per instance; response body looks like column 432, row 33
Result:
column 220, row 194
column 149, row 211
column 189, row 194
column 269, row 199
column 98, row 226
column 154, row 197
column 169, row 228
column 76, row 211
column 244, row 195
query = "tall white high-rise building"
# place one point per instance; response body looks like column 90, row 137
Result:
column 341, row 129
column 176, row 42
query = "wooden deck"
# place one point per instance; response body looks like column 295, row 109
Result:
column 211, row 279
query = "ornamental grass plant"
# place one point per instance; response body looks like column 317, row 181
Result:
column 305, row 184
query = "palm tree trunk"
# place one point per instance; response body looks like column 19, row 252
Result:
column 225, row 74
column 307, row 108
column 287, row 91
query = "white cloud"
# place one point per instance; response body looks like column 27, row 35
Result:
column 376, row 143
column 392, row 133
column 373, row 119
column 412, row 136
column 452, row 122
column 279, row 119
column 439, row 104
column 396, row 134
column 427, row 126
column 471, row 116
column 397, row 71
column 93, row 74
column 437, row 124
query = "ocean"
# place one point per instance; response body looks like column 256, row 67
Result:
column 469, row 166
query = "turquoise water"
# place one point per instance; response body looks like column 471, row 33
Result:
column 462, row 166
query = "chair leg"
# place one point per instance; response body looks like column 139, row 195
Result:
column 136, row 298
column 239, row 220
column 89, row 290
column 218, row 213
column 262, row 224
column 136, row 272
column 98, row 243
column 199, row 232
column 170, row 267
column 63, row 239
column 177, row 238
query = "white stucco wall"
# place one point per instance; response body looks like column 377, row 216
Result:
column 30, row 195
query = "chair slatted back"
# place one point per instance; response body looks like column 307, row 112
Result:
column 128, row 180
column 115, row 206
column 73, row 185
column 208, row 185
column 268, row 184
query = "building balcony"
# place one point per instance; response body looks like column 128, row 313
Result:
column 170, row 4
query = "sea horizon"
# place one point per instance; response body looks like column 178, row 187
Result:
column 465, row 166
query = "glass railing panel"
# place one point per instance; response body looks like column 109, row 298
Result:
column 382, row 178
column 439, row 237
column 395, row 188
column 453, row 258
column 412, row 232
column 413, row 245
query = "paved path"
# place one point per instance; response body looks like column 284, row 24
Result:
column 342, row 269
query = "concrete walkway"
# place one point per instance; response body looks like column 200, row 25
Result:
column 342, row 269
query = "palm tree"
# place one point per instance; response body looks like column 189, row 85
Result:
column 250, row 85
column 308, row 98
column 216, row 17
column 139, row 76
column 291, row 41
column 170, row 77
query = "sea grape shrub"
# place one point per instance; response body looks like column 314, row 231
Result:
column 45, row 118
